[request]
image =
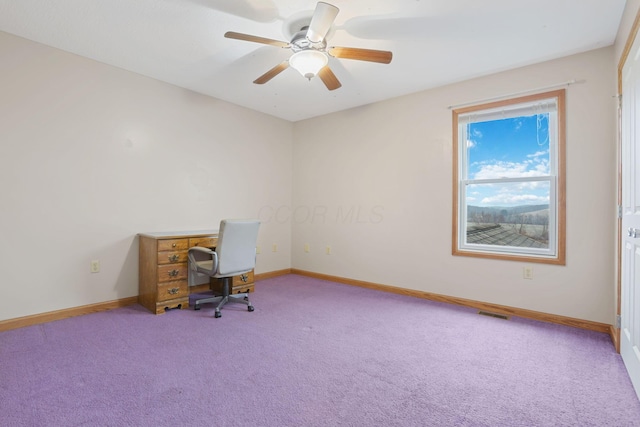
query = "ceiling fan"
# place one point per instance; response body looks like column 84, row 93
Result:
column 310, row 51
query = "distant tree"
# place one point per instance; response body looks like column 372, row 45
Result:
column 522, row 220
column 545, row 228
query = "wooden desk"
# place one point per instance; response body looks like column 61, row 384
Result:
column 163, row 271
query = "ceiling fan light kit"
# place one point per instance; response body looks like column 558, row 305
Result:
column 311, row 55
column 308, row 62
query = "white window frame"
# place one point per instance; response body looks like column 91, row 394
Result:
column 552, row 102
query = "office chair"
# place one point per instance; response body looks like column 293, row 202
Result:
column 234, row 254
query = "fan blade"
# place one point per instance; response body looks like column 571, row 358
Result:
column 321, row 21
column 328, row 78
column 272, row 73
column 382, row 56
column 250, row 38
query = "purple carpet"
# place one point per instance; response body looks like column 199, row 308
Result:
column 313, row 353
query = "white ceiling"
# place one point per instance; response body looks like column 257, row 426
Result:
column 434, row 42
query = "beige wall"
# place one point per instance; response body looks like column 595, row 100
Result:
column 374, row 183
column 90, row 155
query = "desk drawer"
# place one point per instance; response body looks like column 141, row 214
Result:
column 217, row 287
column 172, row 257
column 172, row 290
column 172, row 272
column 178, row 303
column 241, row 283
column 173, row 245
column 243, row 279
column 242, row 289
column 203, row 242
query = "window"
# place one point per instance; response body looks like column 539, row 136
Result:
column 509, row 184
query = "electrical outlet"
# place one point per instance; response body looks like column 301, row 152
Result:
column 95, row 266
column 328, row 250
column 274, row 248
column 306, row 248
column 257, row 249
column 527, row 273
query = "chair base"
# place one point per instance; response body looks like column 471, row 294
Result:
column 242, row 298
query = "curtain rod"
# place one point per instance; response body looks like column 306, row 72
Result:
column 510, row 95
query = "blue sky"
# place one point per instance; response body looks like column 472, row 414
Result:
column 508, row 148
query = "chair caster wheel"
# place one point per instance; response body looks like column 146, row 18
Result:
column 218, row 314
column 250, row 308
column 196, row 307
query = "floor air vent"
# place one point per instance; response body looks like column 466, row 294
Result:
column 496, row 315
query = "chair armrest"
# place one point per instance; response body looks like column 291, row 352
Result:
column 197, row 255
column 200, row 249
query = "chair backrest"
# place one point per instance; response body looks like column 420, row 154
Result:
column 236, row 246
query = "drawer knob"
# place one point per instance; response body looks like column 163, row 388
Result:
column 244, row 278
column 174, row 273
column 173, row 245
column 173, row 258
column 174, row 291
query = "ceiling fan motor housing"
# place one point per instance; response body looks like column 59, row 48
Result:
column 300, row 42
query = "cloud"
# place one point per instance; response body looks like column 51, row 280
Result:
column 509, row 193
column 472, row 139
column 515, row 199
column 518, row 124
column 538, row 154
column 501, row 169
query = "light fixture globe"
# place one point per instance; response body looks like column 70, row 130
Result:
column 308, row 62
